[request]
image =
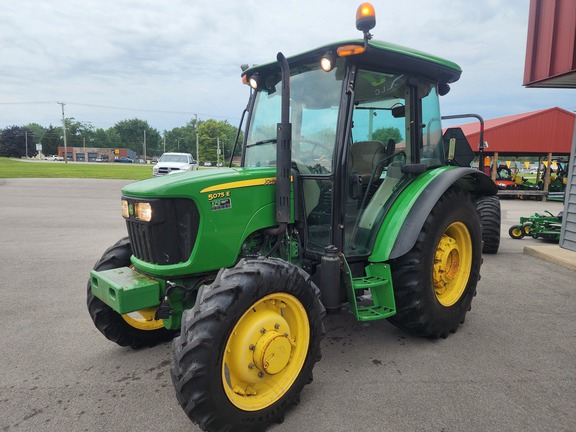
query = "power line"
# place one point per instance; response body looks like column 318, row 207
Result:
column 27, row 103
column 124, row 109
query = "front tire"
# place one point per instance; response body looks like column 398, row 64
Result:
column 137, row 329
column 434, row 283
column 248, row 346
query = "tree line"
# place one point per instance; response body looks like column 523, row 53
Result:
column 20, row 141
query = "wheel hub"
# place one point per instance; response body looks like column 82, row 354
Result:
column 265, row 351
column 272, row 352
column 446, row 262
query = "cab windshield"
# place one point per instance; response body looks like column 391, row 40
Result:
column 314, row 100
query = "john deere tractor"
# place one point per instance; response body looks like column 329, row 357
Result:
column 348, row 199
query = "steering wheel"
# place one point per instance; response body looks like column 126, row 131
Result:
column 312, row 157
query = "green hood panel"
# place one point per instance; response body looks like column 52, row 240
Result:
column 191, row 183
column 232, row 204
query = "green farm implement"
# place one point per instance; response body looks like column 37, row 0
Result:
column 544, row 226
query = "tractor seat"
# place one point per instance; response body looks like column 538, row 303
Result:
column 364, row 156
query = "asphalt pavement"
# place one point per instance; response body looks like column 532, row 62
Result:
column 510, row 367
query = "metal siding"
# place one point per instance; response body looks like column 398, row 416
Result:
column 551, row 44
column 568, row 233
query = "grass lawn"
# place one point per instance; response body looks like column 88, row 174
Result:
column 16, row 168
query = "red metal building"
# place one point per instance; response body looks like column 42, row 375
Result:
column 532, row 133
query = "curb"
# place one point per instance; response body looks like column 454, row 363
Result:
column 554, row 254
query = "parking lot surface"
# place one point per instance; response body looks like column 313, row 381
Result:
column 510, row 367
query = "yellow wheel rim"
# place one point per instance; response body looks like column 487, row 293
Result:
column 265, row 352
column 517, row 231
column 452, row 264
column 143, row 319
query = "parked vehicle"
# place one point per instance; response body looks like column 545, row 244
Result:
column 170, row 163
column 54, row 158
column 123, row 159
column 239, row 265
column 505, row 179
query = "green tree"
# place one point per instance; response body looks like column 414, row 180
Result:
column 386, row 134
column 78, row 133
column 51, row 139
column 181, row 139
column 38, row 132
column 16, row 141
column 101, row 138
column 130, row 134
column 210, row 133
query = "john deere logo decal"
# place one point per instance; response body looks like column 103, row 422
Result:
column 131, row 209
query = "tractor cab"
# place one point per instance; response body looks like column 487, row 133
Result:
column 365, row 121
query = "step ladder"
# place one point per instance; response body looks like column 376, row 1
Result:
column 380, row 303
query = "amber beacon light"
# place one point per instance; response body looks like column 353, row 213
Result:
column 365, row 18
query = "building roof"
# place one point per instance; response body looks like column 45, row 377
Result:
column 537, row 132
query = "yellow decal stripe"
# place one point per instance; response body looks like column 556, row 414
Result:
column 240, row 184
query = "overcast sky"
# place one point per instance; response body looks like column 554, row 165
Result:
column 164, row 61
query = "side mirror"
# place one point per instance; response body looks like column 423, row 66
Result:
column 399, row 111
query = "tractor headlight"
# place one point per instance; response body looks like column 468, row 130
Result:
column 143, row 211
column 125, row 209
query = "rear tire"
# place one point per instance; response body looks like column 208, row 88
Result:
column 135, row 330
column 490, row 217
column 434, row 283
column 248, row 346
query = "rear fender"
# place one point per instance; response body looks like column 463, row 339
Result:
column 415, row 203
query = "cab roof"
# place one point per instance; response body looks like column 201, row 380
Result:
column 379, row 55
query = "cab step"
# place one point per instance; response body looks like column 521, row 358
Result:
column 379, row 303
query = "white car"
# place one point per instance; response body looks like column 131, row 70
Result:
column 170, row 163
column 54, row 158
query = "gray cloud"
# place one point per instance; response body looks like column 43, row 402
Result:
column 183, row 57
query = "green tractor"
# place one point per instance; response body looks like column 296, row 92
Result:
column 347, row 194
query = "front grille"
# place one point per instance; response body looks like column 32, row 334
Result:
column 169, row 238
column 166, row 170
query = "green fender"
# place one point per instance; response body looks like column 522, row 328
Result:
column 415, row 203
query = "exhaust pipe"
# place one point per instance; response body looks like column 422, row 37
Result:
column 283, row 148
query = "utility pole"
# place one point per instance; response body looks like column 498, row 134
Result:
column 197, row 155
column 64, row 133
column 26, row 137
column 144, row 145
column 217, row 151
column 164, row 143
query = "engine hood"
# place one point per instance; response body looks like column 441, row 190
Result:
column 195, row 184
